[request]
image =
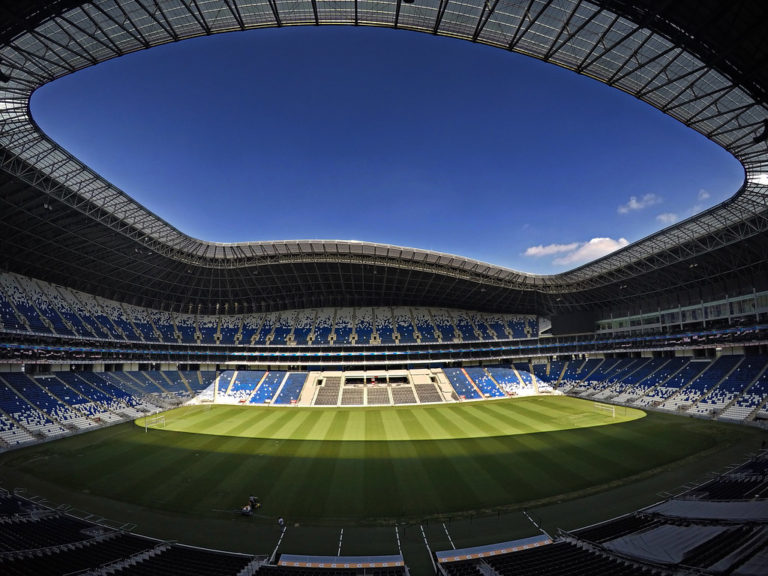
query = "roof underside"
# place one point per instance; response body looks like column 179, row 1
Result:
column 703, row 63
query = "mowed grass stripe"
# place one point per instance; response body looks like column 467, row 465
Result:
column 476, row 418
column 465, row 420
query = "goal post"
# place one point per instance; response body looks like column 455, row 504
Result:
column 605, row 408
column 154, row 420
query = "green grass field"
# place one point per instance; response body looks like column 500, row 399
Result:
column 363, row 464
column 395, row 424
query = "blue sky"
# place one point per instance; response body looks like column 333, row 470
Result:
column 384, row 136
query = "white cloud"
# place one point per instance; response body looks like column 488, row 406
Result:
column 703, row 195
column 577, row 252
column 666, row 218
column 635, row 204
column 549, row 249
column 592, row 250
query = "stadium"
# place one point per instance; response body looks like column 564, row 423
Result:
column 170, row 405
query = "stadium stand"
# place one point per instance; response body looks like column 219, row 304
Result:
column 21, row 305
column 229, row 329
column 673, row 384
column 529, row 383
column 702, row 63
column 186, row 328
column 464, row 326
column 268, row 387
column 628, row 387
column 208, row 326
column 9, row 319
column 461, row 383
column 239, row 386
column 30, row 406
column 51, row 305
column 731, row 386
column 291, row 389
column 403, row 395
column 484, row 382
column 363, row 326
column 250, row 327
column 711, row 376
column 444, row 324
column 576, row 371
column 427, row 393
column 323, row 326
column 378, row 396
column 385, row 332
column 342, row 328
column 283, row 328
column 482, row 329
column 303, row 329
column 509, row 379
column 140, row 321
column 265, row 329
column 424, row 326
column 46, row 308
column 549, row 372
column 352, row 396
column 328, row 393
column 753, row 397
column 404, row 325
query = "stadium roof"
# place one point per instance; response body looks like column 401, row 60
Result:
column 703, row 63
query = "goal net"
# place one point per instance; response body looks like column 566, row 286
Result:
column 154, row 421
column 605, row 408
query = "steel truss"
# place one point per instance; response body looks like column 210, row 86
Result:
column 651, row 50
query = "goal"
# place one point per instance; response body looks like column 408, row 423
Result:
column 606, row 408
column 155, row 421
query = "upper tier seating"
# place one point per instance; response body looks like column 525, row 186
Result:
column 323, row 326
column 185, row 326
column 404, row 325
column 267, row 325
column 229, row 328
column 464, row 325
column 283, row 328
column 208, row 326
column 363, row 326
column 163, row 322
column 250, row 327
column 424, row 326
column 342, row 328
column 384, row 328
column 443, row 322
column 18, row 300
column 27, row 304
column 479, row 321
column 303, row 327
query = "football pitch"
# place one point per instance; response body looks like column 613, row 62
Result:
column 363, row 465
